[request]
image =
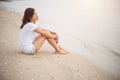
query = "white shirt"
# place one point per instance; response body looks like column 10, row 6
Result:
column 27, row 35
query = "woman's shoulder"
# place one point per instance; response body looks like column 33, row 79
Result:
column 30, row 24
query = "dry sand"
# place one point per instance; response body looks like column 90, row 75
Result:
column 47, row 66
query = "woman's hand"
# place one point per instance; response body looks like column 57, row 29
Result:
column 57, row 37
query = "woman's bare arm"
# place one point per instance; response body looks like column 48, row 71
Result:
column 45, row 33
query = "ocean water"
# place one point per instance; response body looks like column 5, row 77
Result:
column 87, row 27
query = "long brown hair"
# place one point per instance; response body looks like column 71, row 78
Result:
column 29, row 12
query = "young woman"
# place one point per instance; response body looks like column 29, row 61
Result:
column 29, row 42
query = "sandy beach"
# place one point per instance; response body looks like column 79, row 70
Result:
column 15, row 65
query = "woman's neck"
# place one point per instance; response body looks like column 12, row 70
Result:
column 32, row 21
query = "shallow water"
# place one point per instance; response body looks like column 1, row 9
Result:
column 88, row 27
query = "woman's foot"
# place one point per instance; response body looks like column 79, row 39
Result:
column 61, row 51
column 64, row 50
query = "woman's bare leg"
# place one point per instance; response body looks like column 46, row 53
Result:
column 39, row 42
column 56, row 40
column 55, row 45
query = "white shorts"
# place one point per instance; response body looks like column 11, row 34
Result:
column 28, row 49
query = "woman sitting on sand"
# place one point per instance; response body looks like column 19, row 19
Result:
column 29, row 42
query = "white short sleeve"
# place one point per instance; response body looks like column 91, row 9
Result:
column 33, row 26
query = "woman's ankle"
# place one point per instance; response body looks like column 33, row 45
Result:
column 60, row 51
